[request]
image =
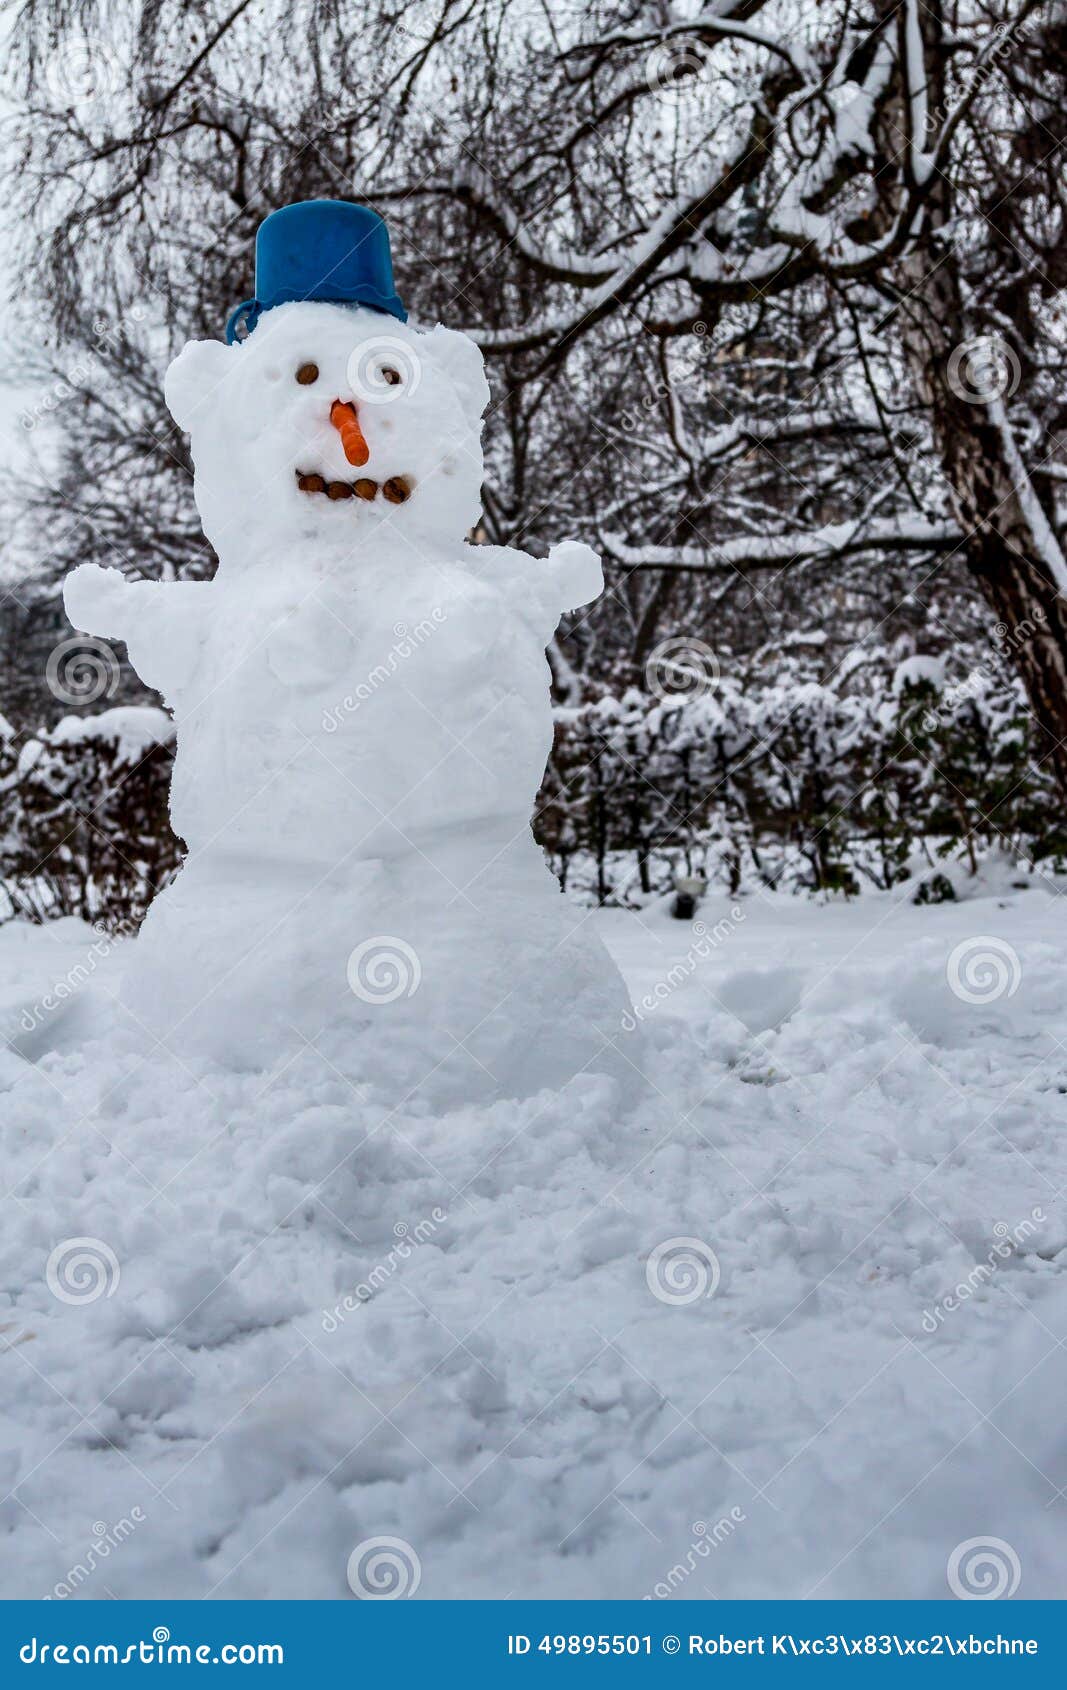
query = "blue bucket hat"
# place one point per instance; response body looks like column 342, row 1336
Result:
column 320, row 249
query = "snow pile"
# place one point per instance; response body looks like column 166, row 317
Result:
column 487, row 1332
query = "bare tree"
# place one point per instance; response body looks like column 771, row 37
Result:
column 742, row 272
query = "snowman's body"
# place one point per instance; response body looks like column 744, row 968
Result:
column 338, row 703
column 363, row 719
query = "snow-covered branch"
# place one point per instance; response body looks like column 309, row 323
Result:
column 788, row 550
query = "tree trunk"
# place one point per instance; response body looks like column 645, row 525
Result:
column 1008, row 538
column 1029, row 610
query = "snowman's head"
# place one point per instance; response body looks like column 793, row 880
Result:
column 331, row 426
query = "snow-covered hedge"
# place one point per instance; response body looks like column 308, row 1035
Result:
column 798, row 783
column 83, row 816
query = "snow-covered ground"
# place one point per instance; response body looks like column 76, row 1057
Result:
column 307, row 1322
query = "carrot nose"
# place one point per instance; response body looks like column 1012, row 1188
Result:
column 344, row 419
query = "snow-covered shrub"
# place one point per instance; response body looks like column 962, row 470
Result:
column 83, row 817
column 785, row 778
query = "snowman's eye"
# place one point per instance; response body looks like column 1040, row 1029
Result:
column 307, row 373
column 390, row 375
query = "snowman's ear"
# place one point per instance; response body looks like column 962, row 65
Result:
column 464, row 365
column 193, row 378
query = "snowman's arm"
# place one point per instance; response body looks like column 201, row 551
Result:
column 569, row 577
column 160, row 623
column 576, row 572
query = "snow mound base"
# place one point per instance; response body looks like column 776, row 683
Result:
column 801, row 1300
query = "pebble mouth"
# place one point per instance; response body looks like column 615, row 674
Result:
column 395, row 491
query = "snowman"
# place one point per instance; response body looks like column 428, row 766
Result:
column 362, row 707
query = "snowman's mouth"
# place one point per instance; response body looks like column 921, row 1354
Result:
column 396, row 490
